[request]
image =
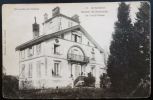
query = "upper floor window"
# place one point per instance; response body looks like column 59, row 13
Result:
column 60, row 25
column 76, row 38
column 56, row 49
column 93, row 54
column 88, row 43
column 38, row 48
column 30, row 51
column 22, row 54
column 69, row 24
column 62, row 36
column 56, row 69
column 30, row 70
column 22, row 73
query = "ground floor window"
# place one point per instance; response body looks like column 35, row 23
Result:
column 30, row 70
column 38, row 69
column 93, row 70
column 56, row 69
column 22, row 73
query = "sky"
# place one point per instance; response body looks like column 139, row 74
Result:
column 96, row 18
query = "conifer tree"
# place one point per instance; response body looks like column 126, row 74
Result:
column 142, row 38
column 120, row 50
column 140, row 61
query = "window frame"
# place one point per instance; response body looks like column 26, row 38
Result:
column 30, row 70
column 76, row 38
column 22, row 54
column 30, row 51
column 56, row 71
column 56, row 49
column 38, row 67
column 22, row 71
column 38, row 48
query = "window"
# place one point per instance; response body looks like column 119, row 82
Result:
column 60, row 25
column 38, row 69
column 22, row 71
column 30, row 70
column 88, row 43
column 69, row 24
column 93, row 54
column 38, row 48
column 30, row 51
column 22, row 54
column 79, row 39
column 76, row 38
column 56, row 49
column 62, row 36
column 56, row 69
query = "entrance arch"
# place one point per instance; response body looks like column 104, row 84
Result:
column 77, row 59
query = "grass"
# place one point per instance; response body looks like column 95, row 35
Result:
column 71, row 93
column 11, row 91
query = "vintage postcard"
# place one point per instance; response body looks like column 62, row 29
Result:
column 76, row 50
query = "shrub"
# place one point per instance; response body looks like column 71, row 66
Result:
column 10, row 87
column 90, row 80
column 104, row 81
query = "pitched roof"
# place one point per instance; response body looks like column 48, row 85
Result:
column 62, row 16
column 49, row 36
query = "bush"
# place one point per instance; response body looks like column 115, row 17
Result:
column 104, row 81
column 90, row 80
column 10, row 87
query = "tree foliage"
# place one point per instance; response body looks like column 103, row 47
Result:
column 129, row 50
column 118, row 61
column 90, row 80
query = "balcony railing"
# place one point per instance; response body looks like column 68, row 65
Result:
column 78, row 58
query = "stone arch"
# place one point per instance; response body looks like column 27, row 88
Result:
column 77, row 47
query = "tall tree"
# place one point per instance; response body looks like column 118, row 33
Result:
column 120, row 50
column 142, row 37
column 140, row 61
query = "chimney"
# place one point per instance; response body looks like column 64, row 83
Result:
column 75, row 17
column 55, row 11
column 35, row 29
column 45, row 16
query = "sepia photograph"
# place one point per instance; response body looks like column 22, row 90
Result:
column 76, row 50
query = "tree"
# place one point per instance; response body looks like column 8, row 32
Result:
column 120, row 51
column 142, row 31
column 141, row 50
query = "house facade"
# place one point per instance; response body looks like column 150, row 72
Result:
column 57, row 58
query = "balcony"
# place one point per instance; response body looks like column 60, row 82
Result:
column 78, row 58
